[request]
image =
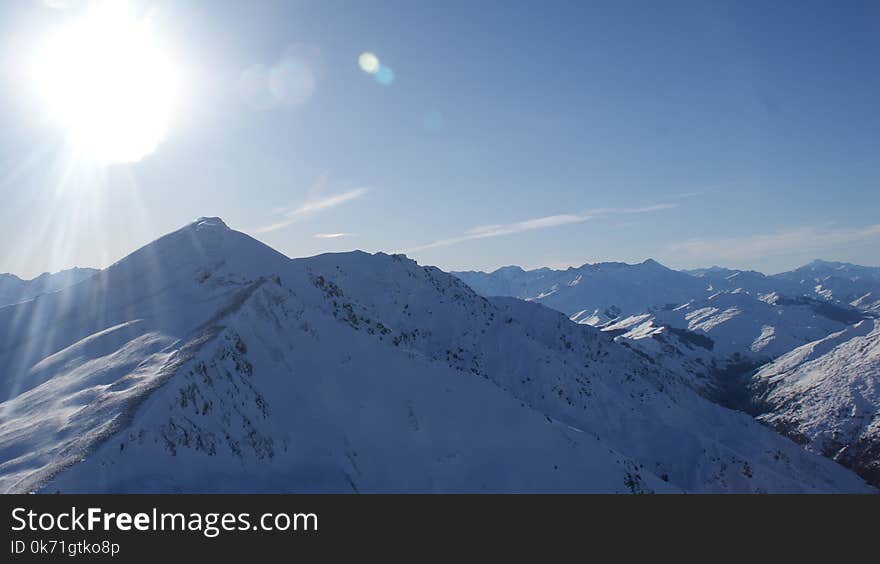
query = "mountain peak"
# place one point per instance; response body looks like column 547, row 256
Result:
column 203, row 245
column 509, row 270
column 821, row 264
column 207, row 222
column 653, row 265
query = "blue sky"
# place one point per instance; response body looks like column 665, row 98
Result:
column 534, row 133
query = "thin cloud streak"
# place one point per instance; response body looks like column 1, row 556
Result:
column 330, row 201
column 331, row 235
column 312, row 205
column 499, row 230
column 649, row 209
column 486, row 231
column 646, row 209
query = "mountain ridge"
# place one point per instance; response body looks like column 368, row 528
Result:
column 14, row 289
column 206, row 361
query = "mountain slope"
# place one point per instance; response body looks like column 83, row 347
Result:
column 712, row 341
column 826, row 394
column 734, row 322
column 702, row 325
column 206, row 361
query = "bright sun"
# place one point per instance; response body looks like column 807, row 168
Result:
column 108, row 85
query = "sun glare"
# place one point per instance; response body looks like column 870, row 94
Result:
column 107, row 83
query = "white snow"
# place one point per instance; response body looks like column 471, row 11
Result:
column 207, row 361
column 713, row 327
column 826, row 393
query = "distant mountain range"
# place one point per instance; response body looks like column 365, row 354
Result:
column 633, row 288
column 720, row 331
column 13, row 289
column 207, row 361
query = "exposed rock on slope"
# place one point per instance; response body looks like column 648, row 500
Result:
column 825, row 394
column 206, row 361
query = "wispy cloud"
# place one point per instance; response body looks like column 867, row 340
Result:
column 649, row 209
column 315, row 201
column 499, row 230
column 624, row 211
column 693, row 194
column 486, row 231
column 331, row 235
column 527, row 225
column 803, row 239
column 328, row 202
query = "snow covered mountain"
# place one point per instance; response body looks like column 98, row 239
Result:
column 712, row 341
column 593, row 293
column 602, row 292
column 703, row 323
column 826, row 394
column 13, row 289
column 839, row 282
column 207, row 361
column 714, row 327
column 835, row 282
column 718, row 279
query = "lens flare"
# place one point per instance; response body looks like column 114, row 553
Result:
column 384, row 76
column 369, row 63
column 290, row 81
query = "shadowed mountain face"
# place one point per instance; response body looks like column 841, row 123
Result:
column 206, row 361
